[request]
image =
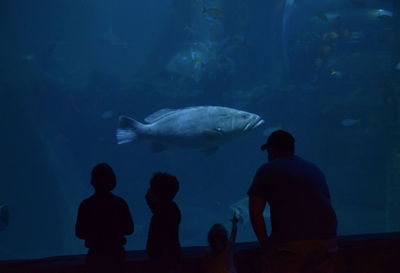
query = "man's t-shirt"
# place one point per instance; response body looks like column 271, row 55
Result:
column 299, row 200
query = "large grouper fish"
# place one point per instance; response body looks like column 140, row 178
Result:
column 202, row 128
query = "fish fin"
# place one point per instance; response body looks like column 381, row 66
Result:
column 157, row 147
column 210, row 151
column 212, row 133
column 128, row 129
column 158, row 115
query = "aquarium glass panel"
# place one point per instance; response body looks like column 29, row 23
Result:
column 192, row 88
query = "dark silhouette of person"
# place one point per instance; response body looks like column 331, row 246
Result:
column 219, row 258
column 163, row 246
column 303, row 236
column 103, row 221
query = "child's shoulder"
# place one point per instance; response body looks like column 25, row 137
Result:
column 119, row 201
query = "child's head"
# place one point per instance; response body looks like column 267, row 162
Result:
column 217, row 237
column 164, row 186
column 103, row 178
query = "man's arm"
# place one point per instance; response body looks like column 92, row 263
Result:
column 256, row 209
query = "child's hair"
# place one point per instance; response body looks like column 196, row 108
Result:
column 103, row 178
column 164, row 186
column 217, row 237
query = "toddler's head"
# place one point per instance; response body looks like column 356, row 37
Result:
column 217, row 237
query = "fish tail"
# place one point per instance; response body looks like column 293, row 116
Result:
column 128, row 129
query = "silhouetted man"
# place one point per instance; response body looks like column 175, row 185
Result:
column 163, row 246
column 303, row 237
column 103, row 221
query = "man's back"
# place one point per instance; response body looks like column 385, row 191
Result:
column 299, row 200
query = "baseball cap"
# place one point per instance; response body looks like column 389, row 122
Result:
column 280, row 140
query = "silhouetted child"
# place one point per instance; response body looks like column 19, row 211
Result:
column 103, row 221
column 163, row 247
column 219, row 258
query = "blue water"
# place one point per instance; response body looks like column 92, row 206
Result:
column 68, row 69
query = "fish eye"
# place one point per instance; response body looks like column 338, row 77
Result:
column 245, row 115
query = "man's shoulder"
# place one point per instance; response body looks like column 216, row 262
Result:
column 272, row 165
column 291, row 162
column 310, row 166
column 267, row 166
column 281, row 166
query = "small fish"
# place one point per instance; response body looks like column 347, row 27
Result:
column 397, row 67
column 333, row 35
column 214, row 13
column 336, row 74
column 4, row 216
column 197, row 62
column 382, row 13
column 188, row 28
column 348, row 122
